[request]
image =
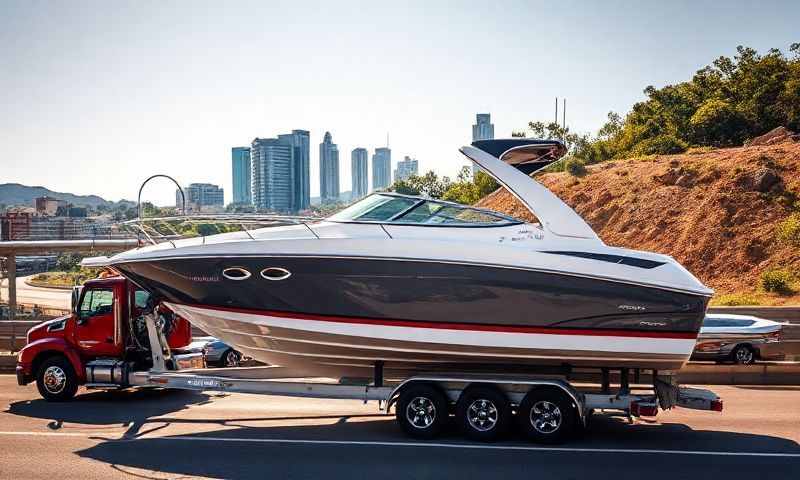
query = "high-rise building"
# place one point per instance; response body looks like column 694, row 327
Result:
column 272, row 175
column 406, row 168
column 240, row 165
column 381, row 168
column 358, row 169
column 199, row 195
column 328, row 170
column 299, row 140
column 482, row 130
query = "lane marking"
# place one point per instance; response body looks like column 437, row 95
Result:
column 46, row 434
column 420, row 444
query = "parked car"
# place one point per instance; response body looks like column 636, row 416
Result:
column 741, row 339
column 220, row 354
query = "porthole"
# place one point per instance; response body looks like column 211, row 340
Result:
column 236, row 273
column 275, row 273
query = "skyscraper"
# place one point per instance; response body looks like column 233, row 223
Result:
column 406, row 168
column 328, row 170
column 299, row 140
column 240, row 165
column 482, row 130
column 358, row 168
column 200, row 195
column 272, row 174
column 381, row 168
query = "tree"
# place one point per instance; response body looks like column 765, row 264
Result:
column 429, row 185
column 68, row 262
column 723, row 104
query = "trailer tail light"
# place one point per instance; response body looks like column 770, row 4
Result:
column 644, row 409
column 716, row 405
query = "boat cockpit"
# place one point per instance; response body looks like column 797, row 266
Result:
column 398, row 209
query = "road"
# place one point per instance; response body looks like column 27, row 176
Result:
column 44, row 297
column 163, row 434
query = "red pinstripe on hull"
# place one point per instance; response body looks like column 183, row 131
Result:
column 457, row 326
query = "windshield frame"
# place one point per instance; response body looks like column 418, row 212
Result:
column 396, row 219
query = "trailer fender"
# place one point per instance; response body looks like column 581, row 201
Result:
column 35, row 352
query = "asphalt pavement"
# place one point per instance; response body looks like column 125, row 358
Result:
column 176, row 434
column 44, row 297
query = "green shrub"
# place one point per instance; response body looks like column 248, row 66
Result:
column 777, row 280
column 575, row 167
column 736, row 300
column 788, row 231
column 660, row 145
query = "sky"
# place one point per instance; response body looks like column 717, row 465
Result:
column 97, row 96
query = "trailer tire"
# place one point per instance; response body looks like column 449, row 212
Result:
column 483, row 412
column 56, row 379
column 547, row 416
column 422, row 411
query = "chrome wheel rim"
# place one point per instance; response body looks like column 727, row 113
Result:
column 231, row 359
column 545, row 417
column 482, row 415
column 55, row 379
column 744, row 355
column 421, row 412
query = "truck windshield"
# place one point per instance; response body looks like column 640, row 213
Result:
column 97, row 302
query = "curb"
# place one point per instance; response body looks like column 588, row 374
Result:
column 32, row 283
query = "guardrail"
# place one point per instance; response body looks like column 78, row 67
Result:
column 779, row 314
column 13, row 333
column 764, row 373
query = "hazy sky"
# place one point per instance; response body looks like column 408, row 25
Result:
column 96, row 96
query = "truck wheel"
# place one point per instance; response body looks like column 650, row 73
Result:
column 231, row 358
column 422, row 411
column 56, row 380
column 743, row 355
column 483, row 412
column 547, row 416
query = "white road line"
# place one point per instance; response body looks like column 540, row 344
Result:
column 424, row 444
column 46, row 434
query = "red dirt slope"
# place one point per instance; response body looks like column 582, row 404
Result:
column 714, row 211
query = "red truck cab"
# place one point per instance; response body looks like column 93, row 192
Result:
column 102, row 340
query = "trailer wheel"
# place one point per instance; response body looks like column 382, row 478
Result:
column 56, row 380
column 422, row 411
column 483, row 412
column 547, row 416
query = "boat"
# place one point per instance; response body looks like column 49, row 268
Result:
column 422, row 285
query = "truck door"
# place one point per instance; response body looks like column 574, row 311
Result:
column 96, row 323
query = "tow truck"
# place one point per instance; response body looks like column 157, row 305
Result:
column 102, row 341
column 117, row 337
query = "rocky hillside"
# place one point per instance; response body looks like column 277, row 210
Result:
column 716, row 211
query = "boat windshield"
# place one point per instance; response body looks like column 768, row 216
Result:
column 401, row 209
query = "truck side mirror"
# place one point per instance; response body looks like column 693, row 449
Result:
column 76, row 296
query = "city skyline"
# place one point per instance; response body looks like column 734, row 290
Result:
column 188, row 89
